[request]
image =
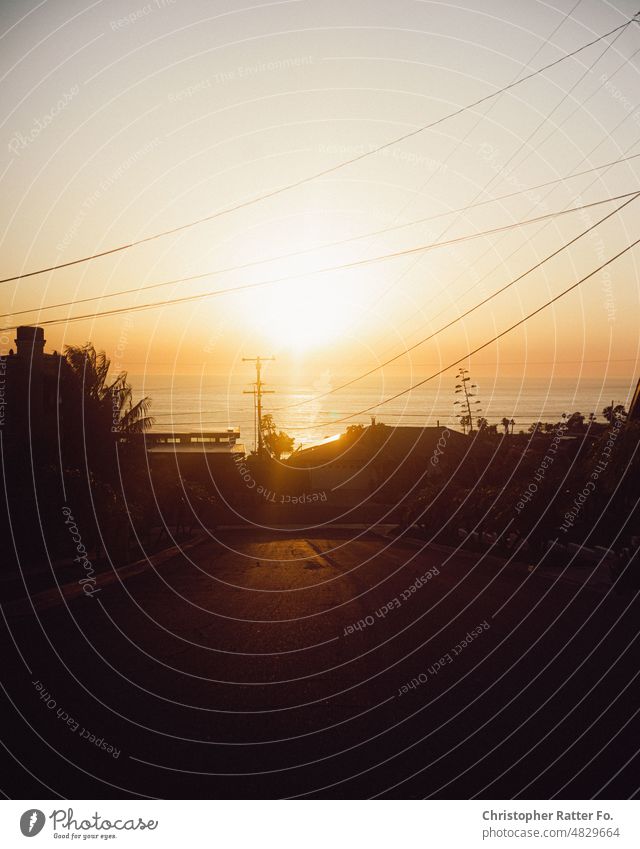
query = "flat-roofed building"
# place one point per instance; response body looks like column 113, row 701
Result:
column 222, row 442
column 208, row 457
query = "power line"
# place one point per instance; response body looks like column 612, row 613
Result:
column 480, row 347
column 481, row 117
column 178, row 390
column 466, row 313
column 513, row 155
column 558, row 362
column 175, row 387
column 548, row 136
column 339, row 242
column 340, row 267
column 324, row 172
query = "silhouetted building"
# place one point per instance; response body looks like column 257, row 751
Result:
column 32, row 389
column 223, row 442
column 202, row 456
column 380, row 461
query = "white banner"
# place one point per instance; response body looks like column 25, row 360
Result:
column 320, row 824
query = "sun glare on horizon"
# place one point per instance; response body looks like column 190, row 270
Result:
column 305, row 314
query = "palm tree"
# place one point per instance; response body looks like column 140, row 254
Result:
column 505, row 422
column 106, row 401
column 98, row 414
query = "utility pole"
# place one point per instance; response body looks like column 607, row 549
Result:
column 258, row 391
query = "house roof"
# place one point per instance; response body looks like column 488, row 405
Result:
column 388, row 442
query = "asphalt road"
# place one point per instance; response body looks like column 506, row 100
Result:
column 302, row 663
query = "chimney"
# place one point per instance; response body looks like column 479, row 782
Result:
column 30, row 342
column 30, row 379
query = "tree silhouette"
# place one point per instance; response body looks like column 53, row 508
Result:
column 104, row 400
column 575, row 422
column 613, row 412
column 101, row 461
column 276, row 442
column 466, row 389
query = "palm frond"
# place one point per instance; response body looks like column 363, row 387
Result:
column 135, row 419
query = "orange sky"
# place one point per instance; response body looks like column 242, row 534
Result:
column 121, row 120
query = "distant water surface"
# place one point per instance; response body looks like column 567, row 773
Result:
column 185, row 403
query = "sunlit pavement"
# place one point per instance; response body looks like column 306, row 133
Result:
column 327, row 662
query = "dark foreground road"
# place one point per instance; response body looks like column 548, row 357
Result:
column 302, row 663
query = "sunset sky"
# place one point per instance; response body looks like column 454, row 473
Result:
column 122, row 119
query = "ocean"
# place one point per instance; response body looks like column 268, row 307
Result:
column 189, row 403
